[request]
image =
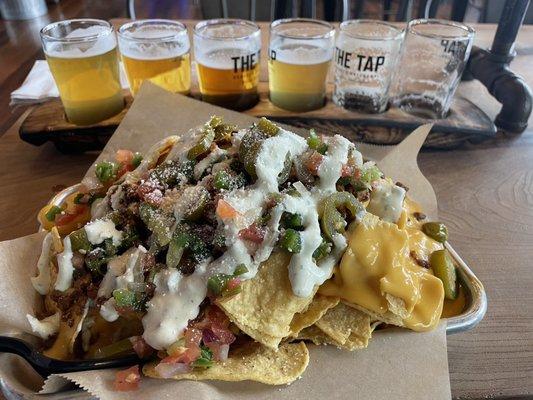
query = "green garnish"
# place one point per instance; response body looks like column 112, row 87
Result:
column 217, row 283
column 106, row 171
column 52, row 212
column 157, row 222
column 290, row 220
column 436, row 230
column 206, row 358
column 291, row 241
column 203, row 144
column 267, row 127
column 124, row 297
column 95, row 261
column 370, row 174
column 222, row 180
column 78, row 197
column 322, row 251
column 136, row 160
column 79, row 241
column 240, row 270
column 109, row 248
column 129, row 299
column 315, row 143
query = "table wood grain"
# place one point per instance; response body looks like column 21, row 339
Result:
column 485, row 197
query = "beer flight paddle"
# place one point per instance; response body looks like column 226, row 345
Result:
column 364, row 57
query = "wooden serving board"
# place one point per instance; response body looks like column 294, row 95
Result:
column 466, row 124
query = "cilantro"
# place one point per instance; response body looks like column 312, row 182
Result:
column 206, row 358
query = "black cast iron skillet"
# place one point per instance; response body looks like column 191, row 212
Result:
column 26, row 346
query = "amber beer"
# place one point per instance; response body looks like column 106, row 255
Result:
column 157, row 51
column 299, row 59
column 85, row 67
column 297, row 77
column 229, row 78
column 227, row 60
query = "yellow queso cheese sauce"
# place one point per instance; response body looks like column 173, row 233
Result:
column 377, row 267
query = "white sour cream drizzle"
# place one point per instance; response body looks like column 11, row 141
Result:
column 65, row 267
column 100, row 230
column 46, row 327
column 215, row 156
column 177, row 297
column 121, row 271
column 41, row 282
column 386, row 201
column 304, row 273
column 176, row 301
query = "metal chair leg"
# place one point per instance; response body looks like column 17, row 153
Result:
column 491, row 67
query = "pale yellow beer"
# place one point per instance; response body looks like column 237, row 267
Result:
column 89, row 87
column 299, row 58
column 156, row 50
column 228, row 84
column 296, row 86
column 227, row 62
column 172, row 74
column 84, row 65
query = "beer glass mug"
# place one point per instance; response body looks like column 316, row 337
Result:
column 227, row 60
column 366, row 54
column 156, row 50
column 433, row 56
column 83, row 60
column 299, row 57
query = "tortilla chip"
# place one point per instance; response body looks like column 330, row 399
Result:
column 397, row 306
column 347, row 326
column 313, row 313
column 57, row 243
column 316, row 335
column 387, row 317
column 252, row 363
column 266, row 306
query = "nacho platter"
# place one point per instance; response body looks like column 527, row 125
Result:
column 470, row 316
column 351, row 340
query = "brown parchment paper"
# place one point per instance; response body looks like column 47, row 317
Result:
column 397, row 364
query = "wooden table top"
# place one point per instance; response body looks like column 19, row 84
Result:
column 485, row 197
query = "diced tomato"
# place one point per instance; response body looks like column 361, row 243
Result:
column 186, row 357
column 253, row 233
column 67, row 217
column 217, row 317
column 124, row 156
column 225, row 210
column 128, row 379
column 150, row 192
column 347, row 170
column 191, row 354
column 357, row 173
column 64, row 218
column 193, row 337
column 123, row 169
column 313, row 162
column 225, row 336
column 233, row 284
column 140, row 347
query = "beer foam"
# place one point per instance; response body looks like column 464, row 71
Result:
column 227, row 31
column 153, row 51
column 142, row 43
column 303, row 54
column 348, row 43
column 221, row 58
column 82, row 49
